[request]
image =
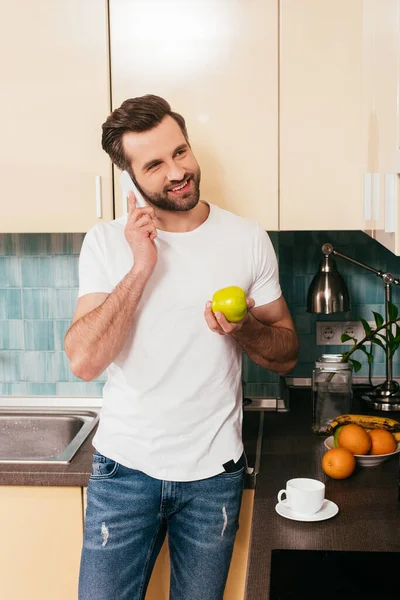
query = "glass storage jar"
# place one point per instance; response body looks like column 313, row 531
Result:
column 332, row 391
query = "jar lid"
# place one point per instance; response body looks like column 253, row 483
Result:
column 330, row 358
column 333, row 361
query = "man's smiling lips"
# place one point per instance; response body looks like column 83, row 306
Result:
column 182, row 188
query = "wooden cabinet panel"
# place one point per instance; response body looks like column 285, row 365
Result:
column 41, row 542
column 54, row 96
column 216, row 62
column 381, row 72
column 321, row 123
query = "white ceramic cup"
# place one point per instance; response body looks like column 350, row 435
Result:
column 304, row 496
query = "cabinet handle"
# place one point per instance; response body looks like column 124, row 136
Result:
column 390, row 203
column 376, row 196
column 98, row 197
column 371, row 196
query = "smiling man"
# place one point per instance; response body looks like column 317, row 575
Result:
column 169, row 452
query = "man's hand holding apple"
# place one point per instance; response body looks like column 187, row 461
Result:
column 229, row 310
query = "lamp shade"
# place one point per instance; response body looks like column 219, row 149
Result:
column 328, row 292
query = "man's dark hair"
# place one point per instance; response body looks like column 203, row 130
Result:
column 137, row 115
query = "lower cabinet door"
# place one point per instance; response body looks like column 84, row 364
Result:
column 41, row 535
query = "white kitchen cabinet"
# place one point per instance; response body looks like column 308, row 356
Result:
column 216, row 62
column 322, row 130
column 382, row 107
column 54, row 96
column 41, row 535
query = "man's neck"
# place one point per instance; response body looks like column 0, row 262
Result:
column 182, row 221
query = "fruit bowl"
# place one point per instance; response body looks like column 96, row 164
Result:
column 365, row 460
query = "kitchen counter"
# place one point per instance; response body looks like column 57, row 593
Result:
column 77, row 473
column 369, row 510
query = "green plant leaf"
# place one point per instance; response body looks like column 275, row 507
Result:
column 393, row 311
column 370, row 358
column 367, row 326
column 363, row 349
column 356, row 365
column 378, row 319
column 378, row 342
column 397, row 331
column 344, row 337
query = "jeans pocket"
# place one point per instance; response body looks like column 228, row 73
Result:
column 103, row 467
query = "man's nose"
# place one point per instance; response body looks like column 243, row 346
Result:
column 175, row 172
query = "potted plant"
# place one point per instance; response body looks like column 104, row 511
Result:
column 382, row 336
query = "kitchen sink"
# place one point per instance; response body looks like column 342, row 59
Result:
column 37, row 435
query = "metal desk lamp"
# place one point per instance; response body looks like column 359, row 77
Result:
column 328, row 294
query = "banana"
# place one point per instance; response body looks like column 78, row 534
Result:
column 367, row 422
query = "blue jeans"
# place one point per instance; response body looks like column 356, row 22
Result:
column 127, row 517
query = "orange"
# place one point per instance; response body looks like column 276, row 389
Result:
column 338, row 463
column 383, row 441
column 354, row 438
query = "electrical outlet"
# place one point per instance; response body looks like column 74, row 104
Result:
column 329, row 332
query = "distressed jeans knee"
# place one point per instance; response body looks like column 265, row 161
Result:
column 127, row 518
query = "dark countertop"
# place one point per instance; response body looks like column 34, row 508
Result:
column 369, row 510
column 74, row 474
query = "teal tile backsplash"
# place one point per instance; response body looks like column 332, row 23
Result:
column 39, row 291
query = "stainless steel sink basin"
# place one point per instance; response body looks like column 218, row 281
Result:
column 36, row 435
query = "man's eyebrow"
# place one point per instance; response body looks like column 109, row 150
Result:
column 156, row 160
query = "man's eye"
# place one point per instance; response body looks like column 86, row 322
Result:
column 154, row 165
column 180, row 152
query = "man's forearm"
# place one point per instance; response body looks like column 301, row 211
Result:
column 96, row 339
column 273, row 348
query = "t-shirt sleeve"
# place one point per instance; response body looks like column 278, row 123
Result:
column 265, row 287
column 92, row 266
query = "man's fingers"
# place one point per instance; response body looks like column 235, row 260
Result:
column 138, row 213
column 142, row 220
column 131, row 203
column 224, row 324
column 211, row 320
column 250, row 303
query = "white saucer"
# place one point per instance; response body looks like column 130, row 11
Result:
column 328, row 510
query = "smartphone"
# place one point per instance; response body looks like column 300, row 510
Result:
column 129, row 186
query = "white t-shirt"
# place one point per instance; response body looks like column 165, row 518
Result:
column 172, row 402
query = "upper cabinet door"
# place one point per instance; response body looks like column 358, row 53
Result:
column 216, row 63
column 382, row 64
column 321, row 122
column 54, row 96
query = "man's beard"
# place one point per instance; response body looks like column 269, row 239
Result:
column 183, row 203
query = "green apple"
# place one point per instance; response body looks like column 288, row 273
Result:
column 231, row 302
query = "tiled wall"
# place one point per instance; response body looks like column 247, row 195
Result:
column 299, row 254
column 38, row 294
column 39, row 288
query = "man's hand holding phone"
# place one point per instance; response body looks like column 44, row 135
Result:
column 140, row 233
